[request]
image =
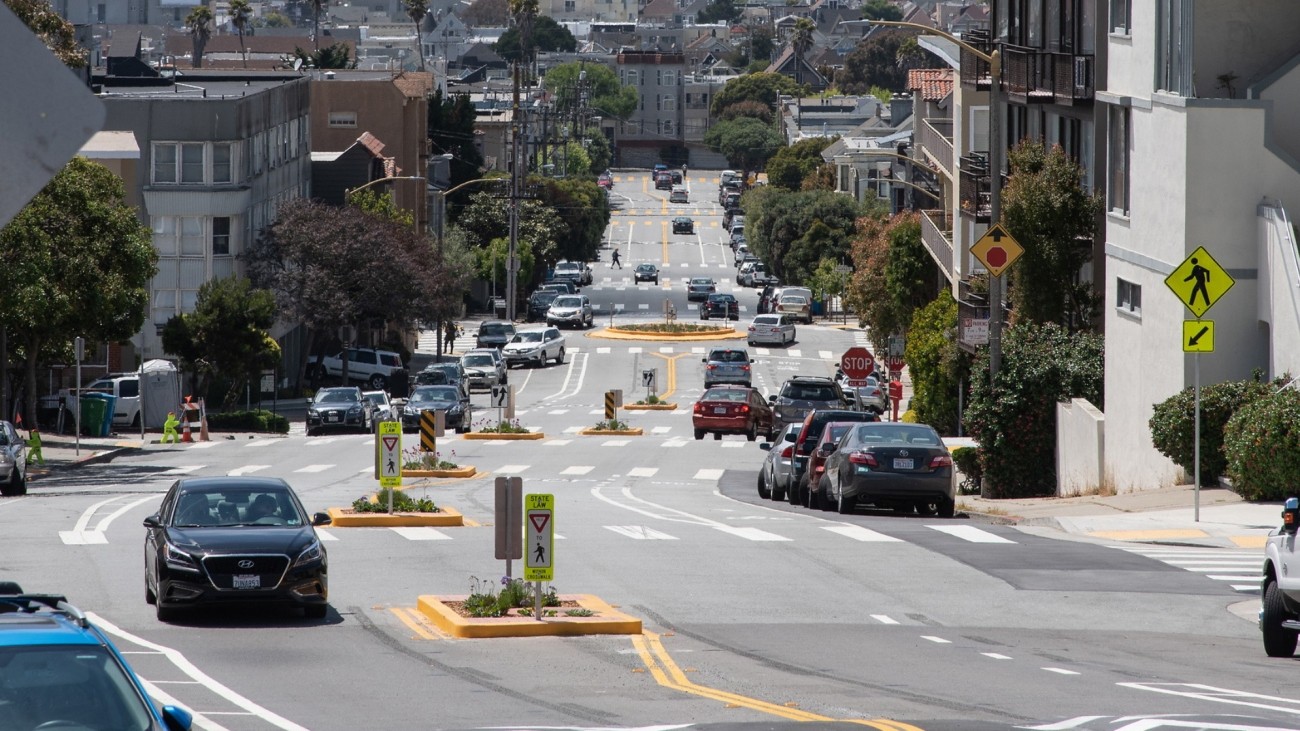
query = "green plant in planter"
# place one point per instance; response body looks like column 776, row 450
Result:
column 579, row 612
column 612, row 425
column 501, row 427
column 414, row 459
column 402, row 503
column 650, row 400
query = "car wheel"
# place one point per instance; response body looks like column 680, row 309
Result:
column 717, row 436
column 750, row 343
column 844, row 506
column 149, row 597
column 378, row 382
column 164, row 614
column 922, row 508
column 809, row 498
column 704, row 315
column 752, row 434
column 559, row 358
column 824, row 490
column 10, row 488
column 792, row 495
column 778, row 490
column 763, row 492
column 699, row 434
column 947, row 508
column 315, row 611
column 1278, row 640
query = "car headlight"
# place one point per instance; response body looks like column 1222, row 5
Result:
column 178, row 559
column 354, row 410
column 6, row 458
column 310, row 554
column 313, row 412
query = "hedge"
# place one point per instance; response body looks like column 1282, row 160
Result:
column 1173, row 424
column 1262, row 445
column 259, row 420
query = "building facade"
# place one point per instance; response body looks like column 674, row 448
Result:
column 657, row 123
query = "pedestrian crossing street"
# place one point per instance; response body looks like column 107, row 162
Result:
column 1238, row 568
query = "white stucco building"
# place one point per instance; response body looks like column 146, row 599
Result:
column 1203, row 126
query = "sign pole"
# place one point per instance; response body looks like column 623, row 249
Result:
column 1196, row 437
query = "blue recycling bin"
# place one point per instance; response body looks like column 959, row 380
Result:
column 818, row 307
column 97, row 414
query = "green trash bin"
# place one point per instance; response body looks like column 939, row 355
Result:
column 93, row 410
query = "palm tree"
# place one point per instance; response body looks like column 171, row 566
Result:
column 240, row 13
column 524, row 12
column 418, row 9
column 801, row 39
column 199, row 24
column 316, row 7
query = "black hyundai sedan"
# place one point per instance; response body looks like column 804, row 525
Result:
column 234, row 540
column 453, row 400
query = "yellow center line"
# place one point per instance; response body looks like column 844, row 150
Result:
column 664, row 225
column 667, row 673
column 415, row 620
column 671, row 379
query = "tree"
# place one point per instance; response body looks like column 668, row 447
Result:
column 747, row 143
column 451, row 131
column 719, row 11
column 274, row 19
column 792, row 231
column 607, row 95
column 790, row 165
column 875, row 62
column 226, row 335
column 801, row 39
column 763, row 87
column 935, row 362
column 1047, row 210
column 416, row 10
column 522, row 44
column 56, row 33
column 893, row 274
column 380, row 205
column 487, row 218
column 240, row 14
column 881, row 10
column 337, row 56
column 598, row 149
column 199, row 24
column 77, row 262
column 583, row 208
column 757, row 110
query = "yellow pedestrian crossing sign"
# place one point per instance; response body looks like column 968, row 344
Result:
column 1198, row 336
column 1199, row 281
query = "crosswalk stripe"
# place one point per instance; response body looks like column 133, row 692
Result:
column 858, row 533
column 602, row 351
column 421, row 534
column 634, row 350
column 558, row 412
column 314, row 468
column 661, row 429
column 884, row 619
column 325, row 535
column 247, row 469
column 575, row 429
column 203, row 445
column 1231, row 577
column 996, row 656
column 708, row 474
column 616, row 443
column 734, row 445
column 640, row 533
column 577, row 470
column 762, row 351
column 794, row 353
column 643, row 472
column 556, row 442
column 261, row 443
column 511, row 468
column 825, row 354
column 751, row 534
column 970, row 533
column 666, row 349
column 183, row 470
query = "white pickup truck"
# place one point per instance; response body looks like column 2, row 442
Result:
column 364, row 364
column 1279, row 613
column 126, row 387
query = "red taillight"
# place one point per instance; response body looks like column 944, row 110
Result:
column 788, row 452
column 751, row 328
column 699, row 408
column 866, row 458
column 744, row 408
column 744, row 368
column 712, row 367
column 941, row 460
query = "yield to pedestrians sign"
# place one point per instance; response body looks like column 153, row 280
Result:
column 539, row 559
column 388, row 451
column 1199, row 281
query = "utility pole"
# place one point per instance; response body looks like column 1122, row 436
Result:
column 516, row 175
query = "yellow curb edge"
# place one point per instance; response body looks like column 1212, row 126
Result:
column 532, row 435
column 445, row 518
column 638, row 431
column 650, row 407
column 466, row 471
column 608, row 622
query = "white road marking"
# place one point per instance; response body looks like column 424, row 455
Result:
column 666, row 349
column 575, row 429
column 247, row 469
column 995, row 656
column 1231, row 577
column 751, row 534
column 325, row 535
column 511, row 468
column 261, row 442
column 733, row 445
column 80, row 536
column 556, row 442
column 643, row 472
column 558, row 412
column 315, row 468
column 203, row 445
column 697, row 350
column 421, row 534
column 969, row 533
column 634, row 350
column 577, row 470
column 708, row 474
column 762, row 351
column 825, row 354
column 884, row 619
column 593, row 412
column 640, row 533
column 568, row 376
column 858, row 533
column 794, row 353
column 366, row 470
column 616, row 443
column 183, row 470
column 1060, row 671
column 937, row 640
column 1066, row 725
column 602, row 351
column 1245, row 587
column 1220, row 695
column 661, row 430
column 675, row 442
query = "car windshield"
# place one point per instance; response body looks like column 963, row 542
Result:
column 240, row 506
column 729, row 356
column 478, row 360
column 738, row 395
column 68, row 686
column 567, row 302
column 545, row 297
column 378, row 398
column 810, row 392
column 494, row 328
column 534, row 336
column 793, row 299
column 566, row 266
column 892, row 435
column 336, row 396
column 645, row 268
column 435, row 393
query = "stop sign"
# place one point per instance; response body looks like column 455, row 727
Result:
column 894, row 362
column 857, row 363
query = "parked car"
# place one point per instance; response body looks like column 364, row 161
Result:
column 777, row 329
column 745, row 258
column 452, row 400
column 894, row 465
column 559, row 287
column 765, row 300
column 871, row 395
column 13, row 461
column 720, row 305
column 801, row 394
column 683, row 225
column 384, row 409
column 730, row 215
column 823, row 446
column 727, row 365
column 341, row 407
column 483, row 370
column 605, row 180
column 573, row 310
column 813, row 424
column 677, row 176
column 774, row 475
column 535, row 347
column 538, row 304
column 494, row 334
column 753, row 275
column 741, row 253
column 678, row 195
column 447, row 373
column 762, row 276
column 368, row 365
column 573, row 271
column 61, row 671
column 645, row 273
column 1279, row 613
column 796, row 306
column 699, row 288
column 731, row 410
column 731, row 200
column 224, row 540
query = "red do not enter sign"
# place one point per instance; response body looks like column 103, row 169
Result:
column 857, row 362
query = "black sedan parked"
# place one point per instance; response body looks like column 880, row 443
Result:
column 339, row 408
column 539, row 303
column 720, row 305
column 452, row 399
column 234, row 540
column 891, row 465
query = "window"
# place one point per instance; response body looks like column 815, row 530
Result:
column 1121, row 16
column 1128, row 296
column 670, row 103
column 670, row 79
column 192, row 163
column 192, row 239
column 221, row 163
column 164, row 163
column 1173, row 47
column 221, row 236
column 1117, row 174
column 343, row 119
column 668, row 127
column 633, row 78
column 570, row 6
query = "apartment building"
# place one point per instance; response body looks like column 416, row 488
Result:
column 657, row 122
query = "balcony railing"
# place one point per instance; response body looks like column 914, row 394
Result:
column 1037, row 76
column 974, row 187
column 935, row 136
column 974, row 70
column 936, row 234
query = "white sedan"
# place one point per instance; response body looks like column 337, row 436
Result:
column 384, row 409
column 796, row 306
column 778, row 329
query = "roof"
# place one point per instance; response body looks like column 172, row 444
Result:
column 45, row 628
column 933, row 85
column 659, row 9
column 414, row 84
column 111, row 145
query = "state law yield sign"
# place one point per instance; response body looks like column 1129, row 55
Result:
column 1199, row 281
column 388, row 451
column 539, row 548
column 997, row 250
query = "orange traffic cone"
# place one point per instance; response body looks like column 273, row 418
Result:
column 185, row 430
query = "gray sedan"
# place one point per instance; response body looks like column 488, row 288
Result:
column 13, row 461
column 891, row 465
column 774, row 476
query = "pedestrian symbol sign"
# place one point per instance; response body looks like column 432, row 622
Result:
column 388, row 450
column 997, row 249
column 539, row 553
column 1198, row 336
column 1199, row 281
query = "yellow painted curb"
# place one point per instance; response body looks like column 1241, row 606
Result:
column 608, row 621
column 483, row 436
column 612, row 432
column 650, row 407
column 1149, row 535
column 445, row 518
column 466, row 471
column 1250, row 541
column 613, row 333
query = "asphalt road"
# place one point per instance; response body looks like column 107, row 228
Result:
column 772, row 614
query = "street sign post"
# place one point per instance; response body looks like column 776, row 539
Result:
column 539, row 558
column 997, row 249
column 894, row 363
column 1198, row 336
column 388, row 450
column 857, row 363
column 509, row 520
column 648, row 381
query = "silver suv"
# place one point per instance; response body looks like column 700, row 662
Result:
column 535, row 347
column 728, row 365
column 484, row 368
column 573, row 310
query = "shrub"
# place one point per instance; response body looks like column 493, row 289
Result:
column 1015, row 424
column 1262, row 445
column 935, row 364
column 258, row 420
column 1173, row 424
column 967, row 460
column 402, row 503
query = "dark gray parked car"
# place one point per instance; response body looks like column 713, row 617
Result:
column 494, row 334
column 891, row 465
column 340, row 408
column 451, row 399
column 774, row 475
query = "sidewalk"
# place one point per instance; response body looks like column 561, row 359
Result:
column 61, row 451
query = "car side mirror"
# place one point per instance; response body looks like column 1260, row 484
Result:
column 766, row 447
column 1291, row 515
column 704, row 360
column 152, row 521
column 321, row 519
column 772, row 399
column 176, row 718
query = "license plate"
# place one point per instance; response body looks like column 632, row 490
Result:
column 247, row 581
column 903, row 464
column 720, row 410
column 334, row 417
